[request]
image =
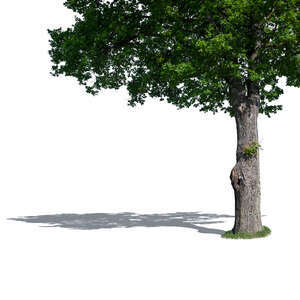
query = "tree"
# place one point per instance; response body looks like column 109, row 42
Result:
column 222, row 55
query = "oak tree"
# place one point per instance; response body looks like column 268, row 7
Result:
column 215, row 55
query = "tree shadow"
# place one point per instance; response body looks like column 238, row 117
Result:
column 94, row 221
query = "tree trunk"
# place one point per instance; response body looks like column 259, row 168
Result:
column 245, row 175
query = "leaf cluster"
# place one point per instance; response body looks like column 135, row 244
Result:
column 252, row 149
column 184, row 52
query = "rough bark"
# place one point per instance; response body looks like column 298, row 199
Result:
column 245, row 175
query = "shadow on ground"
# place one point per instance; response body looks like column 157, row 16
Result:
column 91, row 221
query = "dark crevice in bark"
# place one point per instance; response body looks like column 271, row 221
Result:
column 245, row 175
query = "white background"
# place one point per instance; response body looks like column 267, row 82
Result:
column 63, row 151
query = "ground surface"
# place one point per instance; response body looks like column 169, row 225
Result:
column 129, row 203
column 144, row 261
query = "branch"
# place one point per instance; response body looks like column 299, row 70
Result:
column 259, row 43
column 267, row 18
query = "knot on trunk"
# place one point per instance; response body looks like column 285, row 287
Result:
column 236, row 177
column 242, row 107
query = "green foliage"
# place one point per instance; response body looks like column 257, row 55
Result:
column 252, row 149
column 231, row 235
column 185, row 52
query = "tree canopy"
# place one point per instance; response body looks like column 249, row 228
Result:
column 185, row 52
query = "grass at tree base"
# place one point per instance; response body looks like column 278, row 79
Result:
column 241, row 235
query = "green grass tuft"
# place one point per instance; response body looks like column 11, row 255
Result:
column 252, row 149
column 230, row 235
